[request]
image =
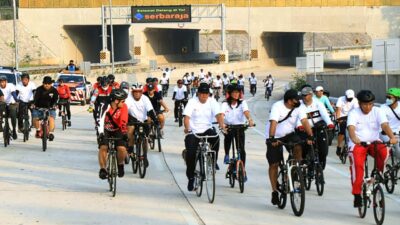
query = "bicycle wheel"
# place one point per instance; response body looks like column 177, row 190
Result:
column 307, row 178
column 231, row 174
column 198, row 175
column 319, row 180
column 6, row 133
column 64, row 122
column 390, row 179
column 110, row 184
column 26, row 129
column 158, row 135
column 142, row 157
column 210, row 177
column 379, row 204
column 297, row 195
column 362, row 211
column 240, row 175
column 152, row 137
column 134, row 160
column 180, row 116
column 343, row 154
column 44, row 137
column 282, row 189
column 114, row 174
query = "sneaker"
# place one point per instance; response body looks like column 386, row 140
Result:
column 37, row 135
column 226, row 159
column 146, row 162
column 103, row 174
column 121, row 171
column 127, row 159
column 176, row 120
column 357, row 201
column 51, row 137
column 69, row 123
column 275, row 198
column 338, row 150
column 14, row 135
column 216, row 166
column 191, row 184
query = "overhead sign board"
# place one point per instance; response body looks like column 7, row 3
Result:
column 392, row 54
column 301, row 64
column 315, row 62
column 161, row 14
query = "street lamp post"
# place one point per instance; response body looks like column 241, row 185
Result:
column 112, row 38
column 248, row 29
column 15, row 34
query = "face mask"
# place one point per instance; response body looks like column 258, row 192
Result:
column 349, row 99
column 389, row 101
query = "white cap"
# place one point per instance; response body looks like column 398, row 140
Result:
column 349, row 93
column 319, row 88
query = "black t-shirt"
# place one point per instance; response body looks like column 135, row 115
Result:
column 45, row 98
column 1, row 93
column 155, row 100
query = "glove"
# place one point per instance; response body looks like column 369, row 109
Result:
column 300, row 128
column 125, row 137
column 331, row 126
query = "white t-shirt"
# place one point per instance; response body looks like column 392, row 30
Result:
column 279, row 112
column 202, row 75
column 394, row 123
column 225, row 81
column 186, row 81
column 253, row 80
column 346, row 106
column 234, row 115
column 139, row 109
column 8, row 98
column 367, row 126
column 231, row 76
column 269, row 82
column 180, row 92
column 167, row 73
column 164, row 80
column 241, row 81
column 159, row 87
column 315, row 113
column 201, row 115
column 217, row 83
column 26, row 92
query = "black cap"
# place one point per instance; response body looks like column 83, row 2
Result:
column 47, row 80
column 203, row 88
column 291, row 94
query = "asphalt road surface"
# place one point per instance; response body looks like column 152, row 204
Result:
column 61, row 185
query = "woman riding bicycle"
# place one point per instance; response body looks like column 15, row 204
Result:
column 236, row 112
column 64, row 99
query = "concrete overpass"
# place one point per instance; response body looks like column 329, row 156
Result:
column 72, row 29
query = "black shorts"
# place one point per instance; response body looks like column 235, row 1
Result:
column 275, row 154
column 132, row 120
column 115, row 134
column 342, row 128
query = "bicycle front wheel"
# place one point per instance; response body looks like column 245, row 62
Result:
column 64, row 122
column 379, row 205
column 319, row 180
column 142, row 158
column 362, row 211
column 210, row 177
column 282, row 189
column 198, row 175
column 390, row 179
column 114, row 174
column 240, row 175
column 158, row 135
column 6, row 134
column 44, row 137
column 343, row 154
column 297, row 195
column 26, row 130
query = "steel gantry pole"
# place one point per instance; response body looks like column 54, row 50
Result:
column 15, row 35
column 223, row 28
column 112, row 38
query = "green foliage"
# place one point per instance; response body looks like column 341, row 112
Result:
column 11, row 45
column 298, row 81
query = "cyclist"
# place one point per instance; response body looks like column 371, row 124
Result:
column 225, row 82
column 100, row 99
column 157, row 85
column 64, row 95
column 112, row 82
column 363, row 124
column 125, row 86
column 392, row 111
column 344, row 105
column 202, row 74
column 253, row 82
column 180, row 96
column 149, row 80
column 157, row 101
column 319, row 95
column 25, row 90
column 46, row 96
column 269, row 86
column 139, row 109
column 164, row 82
column 195, row 85
column 217, row 85
column 318, row 119
column 71, row 66
column 186, row 81
column 236, row 111
column 240, row 83
column 10, row 98
column 113, row 124
column 232, row 76
column 199, row 113
column 281, row 127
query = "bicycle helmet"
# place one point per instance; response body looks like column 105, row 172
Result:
column 155, row 79
column 124, row 85
column 111, row 78
column 3, row 78
column 232, row 87
column 104, row 82
column 25, row 75
column 137, row 86
column 118, row 94
column 179, row 81
column 149, row 80
column 365, row 96
column 394, row 91
column 99, row 79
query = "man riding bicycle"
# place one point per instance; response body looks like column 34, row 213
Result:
column 344, row 105
column 25, row 90
column 46, row 96
column 180, row 96
column 217, row 86
column 253, row 83
column 200, row 113
column 112, row 82
column 164, row 83
column 100, row 99
column 10, row 97
column 319, row 95
column 157, row 101
column 113, row 124
column 281, row 127
column 363, row 125
column 64, row 95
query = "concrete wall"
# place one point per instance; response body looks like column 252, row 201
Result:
column 337, row 84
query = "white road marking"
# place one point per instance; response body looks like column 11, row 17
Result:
column 190, row 219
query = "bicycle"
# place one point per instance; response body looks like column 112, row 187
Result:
column 345, row 148
column 371, row 186
column 216, row 93
column 253, row 89
column 64, row 120
column 236, row 169
column 139, row 158
column 112, row 165
column 391, row 173
column 313, row 171
column 180, row 112
column 291, row 181
column 26, row 126
column 205, row 167
column 6, row 129
column 164, row 90
column 44, row 127
column 155, row 133
column 268, row 92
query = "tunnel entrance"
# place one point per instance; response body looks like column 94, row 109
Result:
column 175, row 45
column 87, row 42
column 283, row 47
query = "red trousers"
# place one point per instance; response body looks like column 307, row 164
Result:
column 358, row 155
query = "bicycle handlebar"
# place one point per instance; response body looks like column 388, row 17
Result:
column 367, row 143
column 206, row 136
column 239, row 126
